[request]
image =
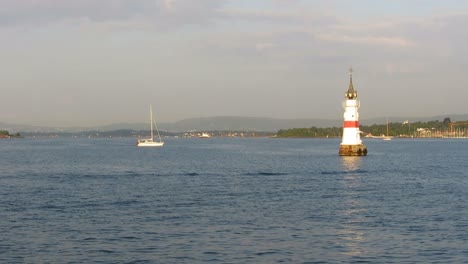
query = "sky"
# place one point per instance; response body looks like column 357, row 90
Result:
column 90, row 62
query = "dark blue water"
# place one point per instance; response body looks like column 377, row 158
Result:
column 233, row 200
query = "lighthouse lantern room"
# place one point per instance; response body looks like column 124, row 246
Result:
column 351, row 144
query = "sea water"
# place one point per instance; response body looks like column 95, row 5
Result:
column 233, row 200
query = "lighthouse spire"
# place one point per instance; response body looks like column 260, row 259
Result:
column 351, row 94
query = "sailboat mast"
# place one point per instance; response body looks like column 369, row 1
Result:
column 151, row 118
column 387, row 127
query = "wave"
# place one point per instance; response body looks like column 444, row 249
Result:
column 343, row 172
column 260, row 173
column 190, row 174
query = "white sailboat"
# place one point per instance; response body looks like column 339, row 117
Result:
column 149, row 142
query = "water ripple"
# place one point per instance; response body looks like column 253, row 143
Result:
column 241, row 201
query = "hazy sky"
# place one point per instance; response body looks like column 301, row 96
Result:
column 92, row 62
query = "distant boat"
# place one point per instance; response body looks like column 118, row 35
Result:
column 149, row 142
column 204, row 135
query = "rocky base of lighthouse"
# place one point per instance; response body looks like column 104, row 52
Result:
column 353, row 150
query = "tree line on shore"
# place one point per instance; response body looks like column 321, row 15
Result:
column 405, row 129
column 6, row 134
column 395, row 129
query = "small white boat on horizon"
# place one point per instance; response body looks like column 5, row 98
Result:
column 149, row 142
column 204, row 135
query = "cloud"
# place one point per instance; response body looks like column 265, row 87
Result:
column 49, row 11
column 255, row 52
column 281, row 18
column 159, row 12
column 264, row 46
column 366, row 40
column 405, row 68
column 168, row 4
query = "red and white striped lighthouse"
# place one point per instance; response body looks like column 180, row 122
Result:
column 351, row 144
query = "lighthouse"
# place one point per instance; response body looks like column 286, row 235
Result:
column 351, row 144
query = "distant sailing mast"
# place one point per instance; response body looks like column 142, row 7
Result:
column 387, row 136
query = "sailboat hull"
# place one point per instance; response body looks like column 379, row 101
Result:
column 149, row 144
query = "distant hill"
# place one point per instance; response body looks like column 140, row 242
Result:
column 275, row 124
column 394, row 119
column 192, row 124
column 230, row 123
column 244, row 124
